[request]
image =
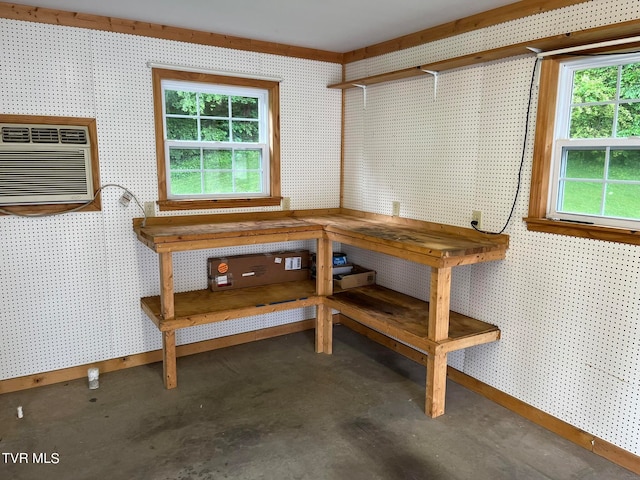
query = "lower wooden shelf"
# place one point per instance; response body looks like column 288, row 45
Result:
column 407, row 319
column 204, row 306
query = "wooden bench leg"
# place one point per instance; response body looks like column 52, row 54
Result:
column 436, row 384
column 169, row 359
column 324, row 330
column 324, row 287
column 438, row 330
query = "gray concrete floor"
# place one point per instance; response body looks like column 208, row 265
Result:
column 276, row 410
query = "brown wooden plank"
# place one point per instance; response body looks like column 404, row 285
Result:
column 324, row 329
column 407, row 318
column 324, row 282
column 451, row 345
column 597, row 232
column 617, row 455
column 184, row 233
column 495, row 16
column 440, row 299
column 422, row 241
column 436, row 384
column 167, row 304
column 570, row 39
column 543, row 140
column 169, row 368
column 432, row 244
column 443, row 228
column 204, row 306
column 145, row 29
column 232, row 217
column 182, row 246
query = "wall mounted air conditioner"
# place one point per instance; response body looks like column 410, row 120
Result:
column 44, row 164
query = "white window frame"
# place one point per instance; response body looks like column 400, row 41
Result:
column 562, row 142
column 262, row 145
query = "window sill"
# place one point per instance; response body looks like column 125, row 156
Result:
column 609, row 234
column 50, row 208
column 169, row 205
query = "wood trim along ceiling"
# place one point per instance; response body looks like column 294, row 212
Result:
column 513, row 11
column 509, row 12
column 118, row 25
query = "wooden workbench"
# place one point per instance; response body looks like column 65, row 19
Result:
column 428, row 326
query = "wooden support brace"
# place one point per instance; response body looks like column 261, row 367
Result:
column 439, row 303
column 169, row 368
column 324, row 330
column 324, row 286
column 167, row 308
column 436, row 384
column 166, row 285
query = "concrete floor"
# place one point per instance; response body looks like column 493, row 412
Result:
column 276, row 410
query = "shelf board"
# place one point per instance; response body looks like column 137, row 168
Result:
column 570, row 39
column 416, row 241
column 449, row 64
column 179, row 237
column 406, row 318
column 204, row 306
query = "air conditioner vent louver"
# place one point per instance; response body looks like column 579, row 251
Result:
column 73, row 136
column 16, row 135
column 45, row 164
column 45, row 135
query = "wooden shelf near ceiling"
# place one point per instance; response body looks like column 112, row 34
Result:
column 571, row 39
column 449, row 64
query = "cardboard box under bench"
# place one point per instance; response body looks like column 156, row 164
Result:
column 358, row 277
column 240, row 271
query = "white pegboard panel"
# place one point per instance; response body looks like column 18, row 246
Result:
column 247, row 324
column 354, row 148
column 439, row 50
column 420, row 162
column 568, row 308
column 61, row 315
column 505, row 85
column 63, row 53
column 54, row 294
column 572, row 18
column 582, row 16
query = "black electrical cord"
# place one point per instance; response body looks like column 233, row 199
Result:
column 474, row 224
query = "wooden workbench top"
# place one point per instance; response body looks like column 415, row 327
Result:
column 424, row 242
column 183, row 233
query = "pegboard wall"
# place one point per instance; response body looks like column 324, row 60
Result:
column 568, row 308
column 71, row 284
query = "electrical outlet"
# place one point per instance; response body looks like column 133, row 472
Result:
column 150, row 209
column 285, row 204
column 476, row 216
column 395, row 209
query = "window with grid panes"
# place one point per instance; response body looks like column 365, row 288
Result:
column 218, row 136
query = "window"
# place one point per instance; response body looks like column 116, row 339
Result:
column 217, row 140
column 586, row 175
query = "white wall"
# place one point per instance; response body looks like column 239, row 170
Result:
column 568, row 308
column 71, row 285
